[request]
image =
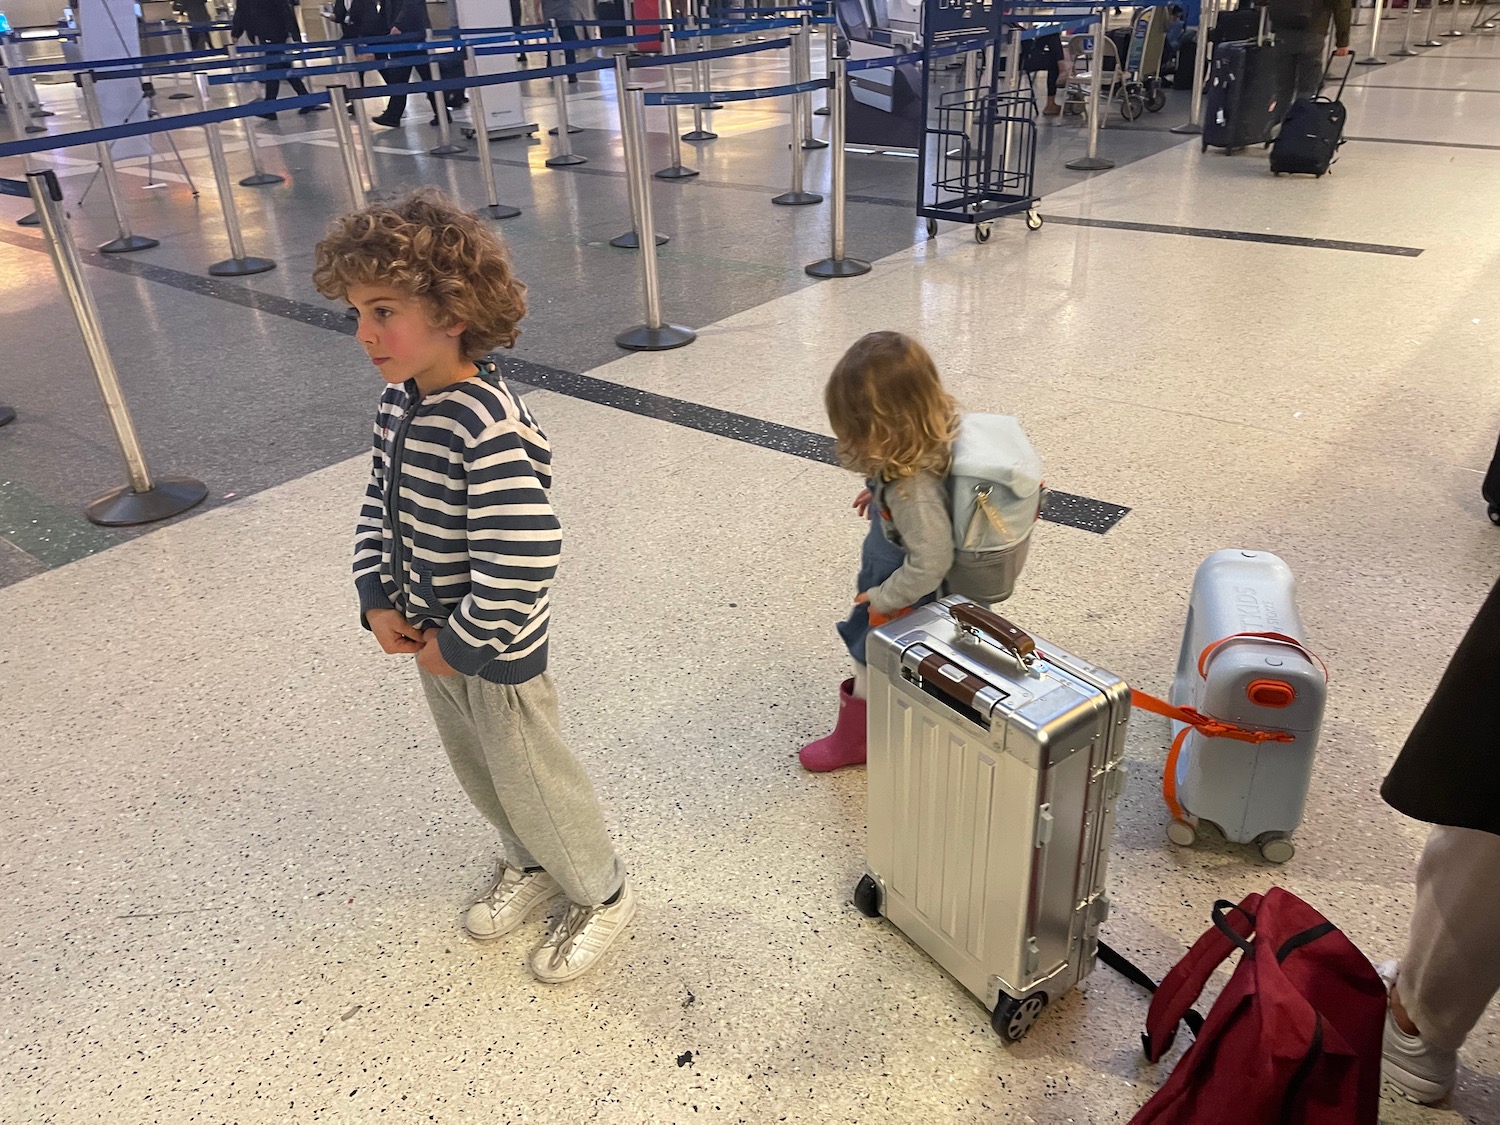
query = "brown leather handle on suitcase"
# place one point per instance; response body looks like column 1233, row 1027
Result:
column 1014, row 640
column 950, row 679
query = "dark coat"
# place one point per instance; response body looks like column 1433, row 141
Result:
column 409, row 15
column 1449, row 770
column 360, row 19
column 265, row 21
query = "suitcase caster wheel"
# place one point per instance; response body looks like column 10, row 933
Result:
column 1013, row 1018
column 1494, row 511
column 1278, row 849
column 1181, row 833
column 867, row 897
column 1033, row 220
column 931, row 228
column 981, row 232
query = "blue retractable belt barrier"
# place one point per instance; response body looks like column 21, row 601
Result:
column 700, row 56
column 15, row 187
column 879, row 63
column 735, row 29
column 708, row 96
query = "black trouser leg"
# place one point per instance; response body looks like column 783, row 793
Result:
column 397, row 105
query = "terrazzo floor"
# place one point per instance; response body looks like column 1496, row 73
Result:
column 233, row 857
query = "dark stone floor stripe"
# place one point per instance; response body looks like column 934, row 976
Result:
column 1237, row 235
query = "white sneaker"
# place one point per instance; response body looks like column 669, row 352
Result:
column 1422, row 1073
column 581, row 937
column 515, row 895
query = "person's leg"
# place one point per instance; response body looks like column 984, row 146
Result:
column 394, row 108
column 1309, row 70
column 568, row 33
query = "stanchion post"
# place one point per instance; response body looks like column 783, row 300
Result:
column 18, row 126
column 1430, row 41
column 698, row 133
column 259, row 177
column 1194, row 124
column 15, row 94
column 1374, row 59
column 797, row 196
column 802, row 72
column 27, row 99
column 1405, row 51
column 631, row 239
column 656, row 335
column 836, row 264
column 830, row 36
column 345, row 135
column 565, row 155
column 144, row 499
column 1093, row 162
column 446, row 145
column 493, row 208
column 675, row 170
column 1453, row 32
column 238, row 264
column 366, row 155
column 126, row 242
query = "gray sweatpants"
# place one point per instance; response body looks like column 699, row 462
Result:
column 504, row 745
column 1451, row 969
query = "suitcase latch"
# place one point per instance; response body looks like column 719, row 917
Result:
column 1033, row 956
column 1043, row 826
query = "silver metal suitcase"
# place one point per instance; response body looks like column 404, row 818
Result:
column 994, row 766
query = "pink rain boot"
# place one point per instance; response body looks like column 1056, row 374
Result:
column 846, row 745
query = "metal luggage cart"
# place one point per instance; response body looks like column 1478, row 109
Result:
column 985, row 160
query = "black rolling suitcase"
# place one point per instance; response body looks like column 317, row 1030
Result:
column 1312, row 132
column 1240, row 99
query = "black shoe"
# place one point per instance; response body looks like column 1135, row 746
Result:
column 384, row 120
column 266, row 116
column 305, row 110
column 572, row 80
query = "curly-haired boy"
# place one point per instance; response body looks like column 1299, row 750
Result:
column 455, row 549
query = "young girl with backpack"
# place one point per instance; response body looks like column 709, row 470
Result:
column 895, row 426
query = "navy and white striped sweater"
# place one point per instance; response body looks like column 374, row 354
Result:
column 456, row 530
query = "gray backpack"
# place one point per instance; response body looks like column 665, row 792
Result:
column 997, row 493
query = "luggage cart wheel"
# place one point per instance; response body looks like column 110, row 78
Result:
column 1157, row 101
column 867, row 897
column 1181, row 833
column 1033, row 220
column 981, row 232
column 1132, row 107
column 1013, row 1018
column 1277, row 849
column 1494, row 510
column 931, row 228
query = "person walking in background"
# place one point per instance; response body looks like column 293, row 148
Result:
column 1301, row 29
column 564, row 13
column 408, row 19
column 1447, row 775
column 271, row 22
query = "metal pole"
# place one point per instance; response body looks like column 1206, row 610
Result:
column 836, row 265
column 1194, row 123
column 699, row 133
column 179, row 94
column 1374, row 59
column 143, row 500
column 631, row 239
column 675, row 171
column 829, row 36
column 345, row 137
column 27, row 99
column 238, row 264
column 260, row 177
column 797, row 197
column 479, row 118
column 655, row 335
column 15, row 95
column 20, row 128
column 366, row 137
column 1453, row 32
column 127, row 241
column 565, row 155
column 1431, row 27
column 804, row 68
column 446, row 145
column 1405, row 51
column 1015, row 81
column 1093, row 162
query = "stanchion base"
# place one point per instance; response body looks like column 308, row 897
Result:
column 645, row 339
column 1430, row 43
column 565, row 160
column 1454, row 34
column 42, row 113
column 676, row 172
column 447, row 150
column 714, row 105
column 1371, row 61
column 1403, row 53
column 30, row 220
column 630, row 240
column 813, row 142
column 796, row 199
column 821, row 111
column 838, row 267
column 552, row 132
column 36, row 128
column 127, row 245
column 700, row 135
column 1091, row 164
column 179, row 97
column 1188, row 129
column 262, row 179
column 497, row 211
column 125, row 507
column 240, row 267
column 7, row 415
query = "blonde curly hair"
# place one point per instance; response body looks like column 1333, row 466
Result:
column 430, row 249
column 888, row 409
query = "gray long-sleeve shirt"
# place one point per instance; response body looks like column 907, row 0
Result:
column 915, row 515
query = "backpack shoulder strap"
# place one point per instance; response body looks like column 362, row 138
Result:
column 1182, row 986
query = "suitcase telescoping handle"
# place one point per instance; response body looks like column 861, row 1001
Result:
column 1348, row 69
column 991, row 626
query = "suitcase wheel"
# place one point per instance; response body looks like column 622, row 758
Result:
column 1494, row 510
column 1013, row 1018
column 1276, row 848
column 867, row 897
column 1181, row 833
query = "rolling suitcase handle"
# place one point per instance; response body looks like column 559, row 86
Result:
column 1348, row 69
column 990, row 626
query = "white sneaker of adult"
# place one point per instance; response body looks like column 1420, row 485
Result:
column 516, row 894
column 580, row 937
column 1421, row 1072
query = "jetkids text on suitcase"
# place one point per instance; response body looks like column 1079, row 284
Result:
column 1312, row 132
column 1248, row 707
column 995, row 761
